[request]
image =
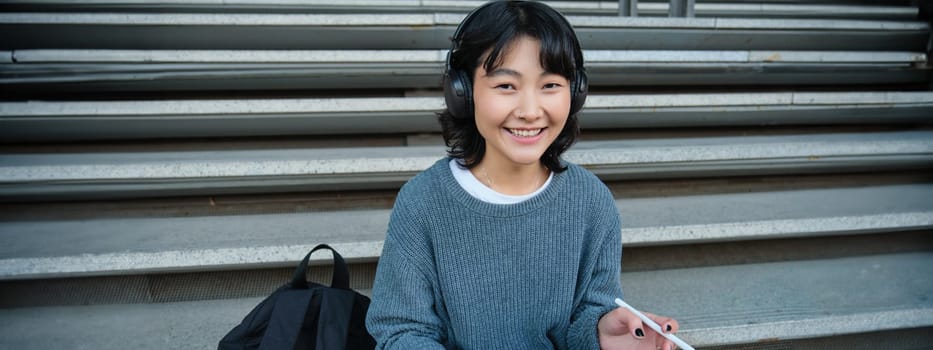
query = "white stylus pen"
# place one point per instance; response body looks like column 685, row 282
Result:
column 654, row 325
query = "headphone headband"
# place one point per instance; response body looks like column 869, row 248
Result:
column 455, row 39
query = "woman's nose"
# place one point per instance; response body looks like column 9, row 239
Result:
column 529, row 107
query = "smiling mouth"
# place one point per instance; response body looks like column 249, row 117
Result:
column 525, row 132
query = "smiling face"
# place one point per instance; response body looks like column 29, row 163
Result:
column 520, row 108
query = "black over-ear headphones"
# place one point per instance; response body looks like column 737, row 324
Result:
column 458, row 89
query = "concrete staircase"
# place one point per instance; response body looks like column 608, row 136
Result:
column 164, row 165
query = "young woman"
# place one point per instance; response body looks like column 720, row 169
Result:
column 503, row 245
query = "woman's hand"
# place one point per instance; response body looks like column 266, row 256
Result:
column 620, row 329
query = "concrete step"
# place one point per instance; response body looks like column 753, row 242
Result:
column 51, row 70
column 101, row 175
column 49, row 121
column 767, row 302
column 51, row 248
column 789, row 300
column 761, row 9
column 87, row 30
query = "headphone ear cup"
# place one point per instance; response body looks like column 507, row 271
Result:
column 580, row 89
column 467, row 94
column 458, row 93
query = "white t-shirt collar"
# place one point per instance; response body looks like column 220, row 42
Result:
column 480, row 191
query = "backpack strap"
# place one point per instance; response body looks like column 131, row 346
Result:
column 341, row 277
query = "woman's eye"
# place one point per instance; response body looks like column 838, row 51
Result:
column 505, row 86
column 552, row 86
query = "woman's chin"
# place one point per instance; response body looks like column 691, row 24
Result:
column 526, row 159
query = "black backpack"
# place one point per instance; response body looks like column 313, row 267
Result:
column 299, row 316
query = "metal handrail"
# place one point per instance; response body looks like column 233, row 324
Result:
column 628, row 8
column 678, row 8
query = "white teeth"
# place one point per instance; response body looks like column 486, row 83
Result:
column 525, row 133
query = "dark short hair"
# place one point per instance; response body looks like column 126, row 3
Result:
column 493, row 28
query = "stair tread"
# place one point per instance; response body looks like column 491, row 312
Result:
column 181, row 108
column 427, row 19
column 50, row 70
column 38, row 249
column 72, row 169
column 786, row 300
column 437, row 57
column 395, row 31
column 567, row 7
column 38, row 121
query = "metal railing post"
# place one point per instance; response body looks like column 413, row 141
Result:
column 628, row 8
column 681, row 8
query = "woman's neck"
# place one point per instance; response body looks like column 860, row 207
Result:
column 511, row 179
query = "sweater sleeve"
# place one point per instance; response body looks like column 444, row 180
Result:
column 602, row 284
column 401, row 315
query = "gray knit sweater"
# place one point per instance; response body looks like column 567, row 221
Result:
column 460, row 273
